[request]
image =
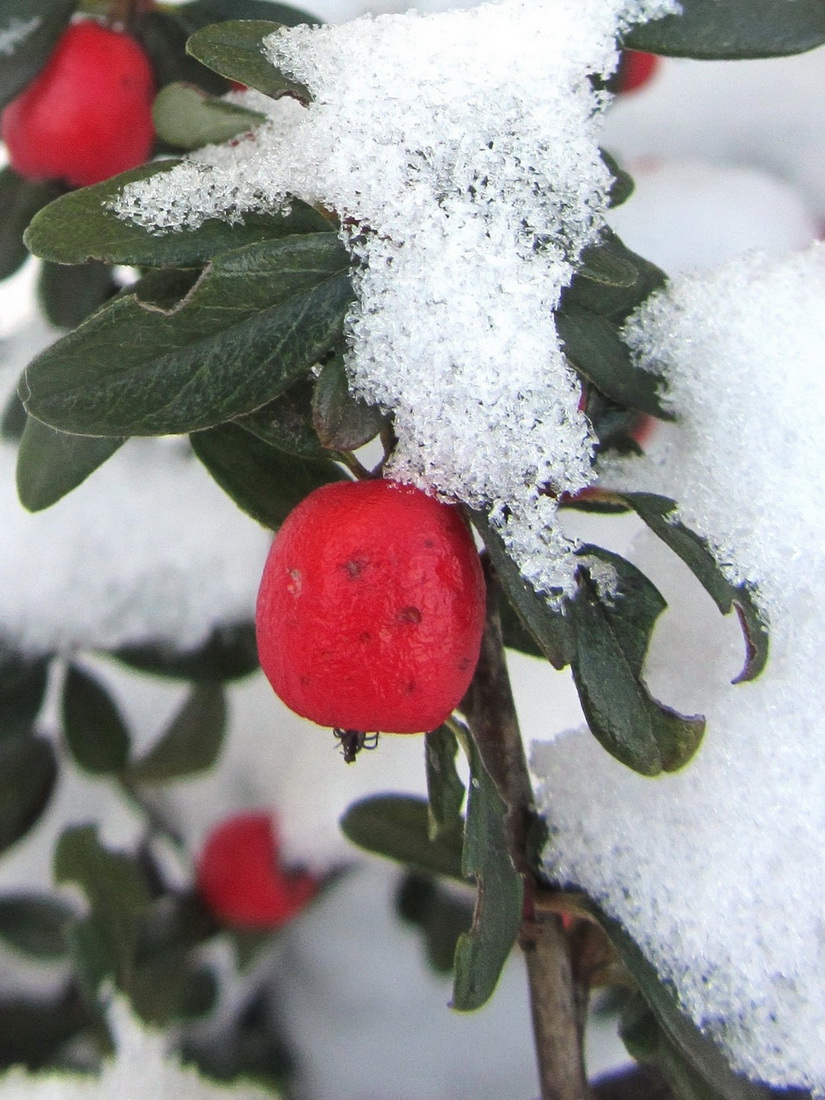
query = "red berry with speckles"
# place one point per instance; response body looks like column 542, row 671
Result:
column 88, row 113
column 240, row 878
column 371, row 608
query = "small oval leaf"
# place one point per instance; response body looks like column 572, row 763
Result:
column 50, row 463
column 191, row 744
column 235, row 50
column 95, row 730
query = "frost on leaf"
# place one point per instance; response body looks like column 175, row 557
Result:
column 460, row 151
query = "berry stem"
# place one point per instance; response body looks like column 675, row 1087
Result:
column 558, row 1000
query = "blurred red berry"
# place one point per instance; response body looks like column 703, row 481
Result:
column 635, row 70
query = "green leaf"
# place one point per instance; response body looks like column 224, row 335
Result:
column 608, row 263
column 611, row 301
column 33, row 28
column 235, row 50
column 440, row 915
column 50, row 463
column 286, row 422
column 482, row 952
column 188, row 118
column 263, row 481
column 191, row 744
column 640, row 732
column 23, row 682
column 67, row 295
column 397, row 826
column 445, row 791
column 733, row 29
column 593, row 345
column 202, row 12
column 95, row 730
column 257, row 320
column 661, row 515
column 82, row 226
column 623, row 185
column 229, row 653
column 542, row 620
column 163, row 35
column 13, row 419
column 19, row 201
column 35, row 925
column 104, row 943
column 28, row 773
column 343, row 422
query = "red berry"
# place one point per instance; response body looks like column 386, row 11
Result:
column 88, row 113
column 371, row 608
column 635, row 70
column 241, row 880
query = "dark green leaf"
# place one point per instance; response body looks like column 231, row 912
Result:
column 258, row 319
column 544, row 621
column 640, row 732
column 438, row 912
column 82, row 226
column 661, row 515
column 515, row 634
column 697, row 1052
column 397, row 826
column 35, row 924
column 163, row 35
column 19, row 201
column 262, row 480
column 50, row 463
column 593, row 345
column 482, row 952
column 608, row 263
column 286, row 422
column 202, row 12
column 229, row 653
column 189, row 118
column 13, row 419
column 733, row 29
column 33, row 28
column 445, row 791
column 67, row 295
column 28, row 772
column 623, row 185
column 36, row 1032
column 23, row 682
column 95, row 730
column 103, row 944
column 235, row 50
column 191, row 744
column 616, row 302
column 343, row 422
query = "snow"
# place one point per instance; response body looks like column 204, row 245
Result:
column 461, row 152
column 686, row 862
column 15, row 32
column 141, row 1067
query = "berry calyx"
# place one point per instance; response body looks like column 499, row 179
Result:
column 371, row 609
column 241, row 879
column 636, row 68
column 88, row 114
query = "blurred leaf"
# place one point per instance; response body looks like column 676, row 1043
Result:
column 163, row 35
column 191, row 744
column 733, row 29
column 482, row 952
column 19, row 201
column 445, row 791
column 262, row 480
column 34, row 27
column 32, row 1032
column 94, row 728
column 68, row 294
column 50, row 463
column 397, row 826
column 189, row 118
column 258, row 319
column 28, row 773
column 286, row 422
column 82, row 226
column 623, row 185
column 23, row 682
column 593, row 345
column 35, row 924
column 13, row 419
column 440, row 915
column 103, row 944
column 235, row 50
column 639, row 731
column 343, row 422
column 543, row 620
column 229, row 653
column 661, row 515
column 515, row 634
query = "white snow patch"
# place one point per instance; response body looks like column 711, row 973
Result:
column 15, row 32
column 717, row 871
column 461, row 152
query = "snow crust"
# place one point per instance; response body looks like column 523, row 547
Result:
column 461, row 152
column 717, row 871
